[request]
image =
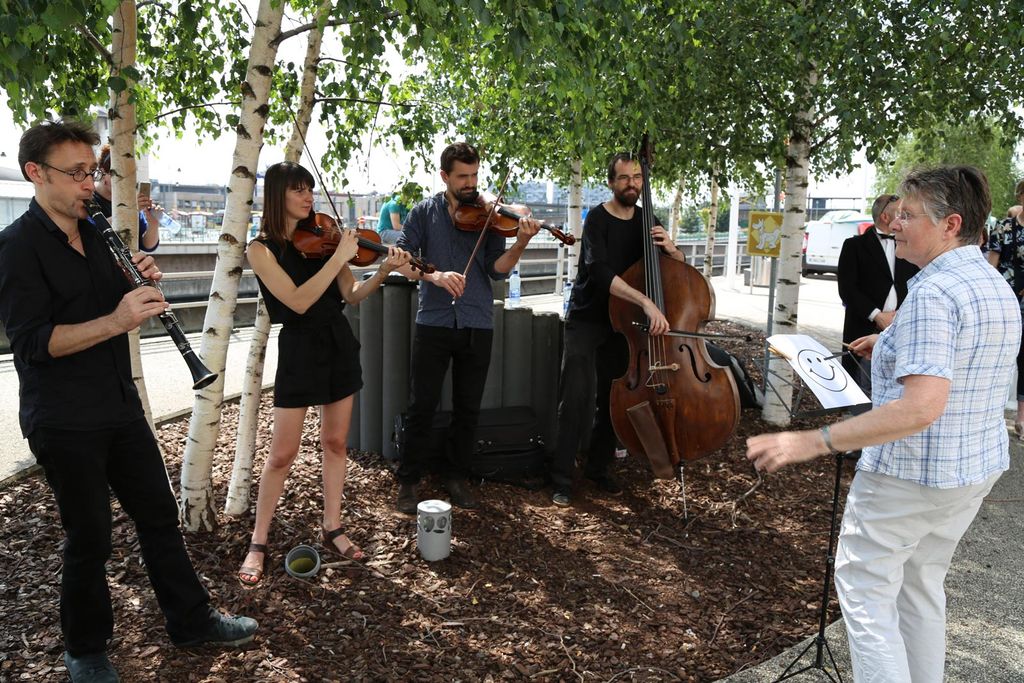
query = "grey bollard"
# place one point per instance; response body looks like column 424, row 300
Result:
column 492, row 387
column 547, row 355
column 395, row 368
column 371, row 311
column 517, row 357
column 352, row 313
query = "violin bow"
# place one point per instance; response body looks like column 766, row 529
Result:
column 316, row 169
column 487, row 224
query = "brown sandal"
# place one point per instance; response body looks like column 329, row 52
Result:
column 250, row 576
column 352, row 552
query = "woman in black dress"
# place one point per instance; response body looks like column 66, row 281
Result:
column 318, row 356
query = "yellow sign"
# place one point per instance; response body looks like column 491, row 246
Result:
column 765, row 233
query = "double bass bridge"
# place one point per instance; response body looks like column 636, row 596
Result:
column 660, row 367
column 656, row 384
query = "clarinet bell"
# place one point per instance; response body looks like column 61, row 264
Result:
column 201, row 375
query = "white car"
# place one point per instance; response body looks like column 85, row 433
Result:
column 823, row 239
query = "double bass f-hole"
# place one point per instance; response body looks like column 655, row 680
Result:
column 693, row 364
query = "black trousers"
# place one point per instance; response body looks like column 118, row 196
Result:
column 468, row 351
column 82, row 468
column 1020, row 361
column 594, row 355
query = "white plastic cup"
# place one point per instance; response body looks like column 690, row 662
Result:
column 434, row 529
column 302, row 562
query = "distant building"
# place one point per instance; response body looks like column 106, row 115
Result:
column 15, row 195
column 535, row 195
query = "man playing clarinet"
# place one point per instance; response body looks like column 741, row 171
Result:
column 67, row 309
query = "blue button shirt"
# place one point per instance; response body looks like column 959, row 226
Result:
column 960, row 322
column 430, row 233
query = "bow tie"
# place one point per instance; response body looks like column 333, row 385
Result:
column 884, row 237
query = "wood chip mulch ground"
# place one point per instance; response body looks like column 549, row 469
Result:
column 641, row 587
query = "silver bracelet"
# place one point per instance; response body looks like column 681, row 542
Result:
column 826, row 435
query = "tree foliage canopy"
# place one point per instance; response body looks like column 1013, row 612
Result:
column 980, row 142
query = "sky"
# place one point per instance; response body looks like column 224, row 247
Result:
column 193, row 160
column 208, row 161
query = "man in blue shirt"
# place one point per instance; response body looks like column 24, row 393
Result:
column 454, row 322
column 394, row 212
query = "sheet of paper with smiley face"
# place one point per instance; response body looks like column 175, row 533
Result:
column 821, row 372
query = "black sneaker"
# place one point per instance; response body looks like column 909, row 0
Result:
column 223, row 631
column 606, row 483
column 93, row 668
column 561, row 498
column 460, row 495
column 408, row 499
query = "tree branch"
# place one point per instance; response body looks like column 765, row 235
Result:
column 360, row 100
column 348, row 63
column 180, row 109
column 91, row 38
column 285, row 35
column 813, row 148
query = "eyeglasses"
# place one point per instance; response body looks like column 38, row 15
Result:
column 78, row 175
column 639, row 177
column 906, row 216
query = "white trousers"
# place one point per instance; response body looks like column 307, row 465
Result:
column 895, row 546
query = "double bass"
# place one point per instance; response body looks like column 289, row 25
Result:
column 673, row 403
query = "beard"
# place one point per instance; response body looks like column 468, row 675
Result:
column 627, row 198
column 467, row 195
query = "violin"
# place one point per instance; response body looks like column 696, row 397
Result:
column 318, row 235
column 505, row 221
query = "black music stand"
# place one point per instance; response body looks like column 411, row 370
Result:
column 819, row 643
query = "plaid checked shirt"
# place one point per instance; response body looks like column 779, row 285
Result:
column 960, row 321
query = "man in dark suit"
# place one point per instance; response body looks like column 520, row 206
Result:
column 872, row 284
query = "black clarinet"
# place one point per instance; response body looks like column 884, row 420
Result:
column 201, row 375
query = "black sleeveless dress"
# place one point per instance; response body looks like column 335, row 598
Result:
column 318, row 356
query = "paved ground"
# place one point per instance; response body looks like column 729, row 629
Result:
column 985, row 589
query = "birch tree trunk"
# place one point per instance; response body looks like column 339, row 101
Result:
column 677, row 207
column 709, row 245
column 575, row 217
column 787, row 293
column 122, row 163
column 196, row 485
column 237, row 502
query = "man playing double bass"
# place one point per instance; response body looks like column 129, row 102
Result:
column 594, row 355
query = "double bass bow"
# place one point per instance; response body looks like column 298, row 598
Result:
column 673, row 403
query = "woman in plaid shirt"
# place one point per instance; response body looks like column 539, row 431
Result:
column 935, row 440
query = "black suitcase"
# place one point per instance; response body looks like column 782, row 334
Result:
column 509, row 447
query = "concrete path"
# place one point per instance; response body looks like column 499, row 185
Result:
column 168, row 383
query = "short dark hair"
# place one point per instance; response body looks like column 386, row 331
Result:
column 881, row 202
column 616, row 158
column 458, row 151
column 38, row 140
column 278, row 179
column 947, row 190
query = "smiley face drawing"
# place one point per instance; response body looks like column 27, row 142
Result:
column 825, row 373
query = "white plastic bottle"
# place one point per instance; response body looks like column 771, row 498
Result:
column 514, row 285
